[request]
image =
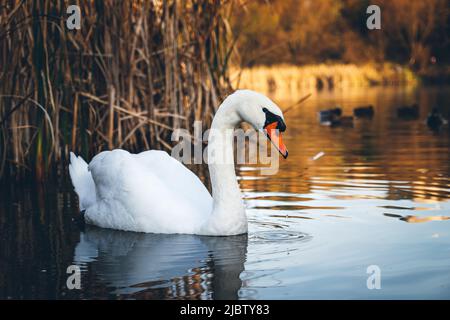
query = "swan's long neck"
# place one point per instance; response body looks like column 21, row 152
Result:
column 228, row 215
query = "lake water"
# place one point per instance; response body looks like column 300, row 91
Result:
column 377, row 198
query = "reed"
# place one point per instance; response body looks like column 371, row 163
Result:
column 282, row 81
column 135, row 71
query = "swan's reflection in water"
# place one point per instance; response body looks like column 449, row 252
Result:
column 158, row 266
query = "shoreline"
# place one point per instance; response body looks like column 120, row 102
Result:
column 295, row 81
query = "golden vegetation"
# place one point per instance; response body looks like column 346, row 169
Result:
column 292, row 82
column 133, row 73
column 299, row 32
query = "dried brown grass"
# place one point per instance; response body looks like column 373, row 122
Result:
column 134, row 72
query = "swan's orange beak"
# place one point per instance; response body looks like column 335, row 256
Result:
column 275, row 136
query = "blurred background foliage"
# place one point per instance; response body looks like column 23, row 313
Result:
column 413, row 33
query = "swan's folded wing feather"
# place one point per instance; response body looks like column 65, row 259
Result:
column 177, row 177
column 106, row 168
column 150, row 192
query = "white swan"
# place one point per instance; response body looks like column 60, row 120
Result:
column 154, row 193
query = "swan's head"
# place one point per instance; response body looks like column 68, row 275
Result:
column 264, row 115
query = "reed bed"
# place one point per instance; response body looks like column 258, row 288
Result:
column 283, row 82
column 134, row 72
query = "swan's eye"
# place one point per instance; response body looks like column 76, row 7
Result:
column 271, row 118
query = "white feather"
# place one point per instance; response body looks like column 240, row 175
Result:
column 82, row 181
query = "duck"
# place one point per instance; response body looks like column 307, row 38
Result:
column 330, row 117
column 364, row 111
column 153, row 192
column 435, row 119
column 408, row 112
column 334, row 118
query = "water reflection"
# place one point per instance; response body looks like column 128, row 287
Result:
column 158, row 266
column 416, row 219
column 386, row 155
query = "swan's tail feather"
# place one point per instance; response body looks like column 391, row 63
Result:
column 82, row 181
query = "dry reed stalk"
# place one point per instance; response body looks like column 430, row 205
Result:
column 133, row 73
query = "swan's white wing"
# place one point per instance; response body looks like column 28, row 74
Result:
column 148, row 192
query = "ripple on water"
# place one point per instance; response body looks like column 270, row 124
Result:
column 280, row 235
